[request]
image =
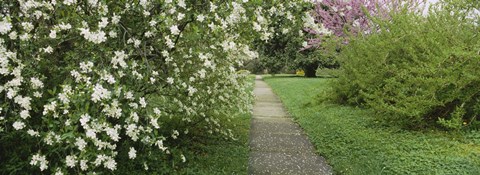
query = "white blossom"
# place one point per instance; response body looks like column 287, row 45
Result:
column 90, row 133
column 115, row 19
column 84, row 119
column 180, row 16
column 182, row 4
column 24, row 114
column 49, row 107
column 95, row 37
column 71, row 161
column 132, row 154
column 119, row 59
column 110, row 163
column 174, row 30
column 53, row 34
column 170, row 80
column 69, row 2
column 112, row 133
column 33, row 133
column 13, row 35
column 213, row 7
column 103, row 23
column 37, row 94
column 27, row 26
column 257, row 27
column 175, row 134
column 59, row 172
column 80, row 143
column 183, row 158
column 142, row 102
column 18, row 125
column 129, row 95
column 63, row 97
column 86, row 67
column 200, row 18
column 5, row 27
column 148, row 34
column 160, row 145
column 83, row 165
column 136, row 43
column 100, row 93
column 25, row 37
column 112, row 34
column 156, row 111
column 169, row 42
column 39, row 160
column 154, row 122
column 24, row 102
column 64, row 26
column 48, row 49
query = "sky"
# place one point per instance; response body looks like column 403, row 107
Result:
column 427, row 5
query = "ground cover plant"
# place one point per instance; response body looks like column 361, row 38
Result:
column 356, row 141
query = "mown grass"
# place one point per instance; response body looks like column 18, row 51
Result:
column 355, row 141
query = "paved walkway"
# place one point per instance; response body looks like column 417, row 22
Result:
column 277, row 144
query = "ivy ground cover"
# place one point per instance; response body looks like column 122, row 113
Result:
column 355, row 141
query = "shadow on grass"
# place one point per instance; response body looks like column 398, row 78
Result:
column 268, row 76
column 355, row 141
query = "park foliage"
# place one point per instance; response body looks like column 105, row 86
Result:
column 417, row 69
column 89, row 86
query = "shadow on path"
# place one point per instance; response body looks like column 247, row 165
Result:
column 277, row 144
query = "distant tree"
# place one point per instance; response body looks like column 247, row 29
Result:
column 283, row 35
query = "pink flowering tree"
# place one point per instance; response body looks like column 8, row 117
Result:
column 341, row 19
column 332, row 22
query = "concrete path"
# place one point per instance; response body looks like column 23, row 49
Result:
column 277, row 144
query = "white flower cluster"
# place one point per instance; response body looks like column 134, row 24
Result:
column 95, row 37
column 84, row 78
column 265, row 17
column 309, row 22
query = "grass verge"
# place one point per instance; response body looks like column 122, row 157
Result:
column 207, row 154
column 355, row 142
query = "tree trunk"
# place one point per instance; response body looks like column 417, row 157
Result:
column 311, row 70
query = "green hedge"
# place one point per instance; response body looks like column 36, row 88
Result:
column 419, row 70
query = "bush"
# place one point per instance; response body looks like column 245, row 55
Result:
column 86, row 83
column 328, row 26
column 422, row 70
column 283, row 37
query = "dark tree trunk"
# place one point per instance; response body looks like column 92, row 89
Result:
column 311, row 70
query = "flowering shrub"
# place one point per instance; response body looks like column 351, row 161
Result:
column 282, row 36
column 84, row 82
column 331, row 17
column 342, row 19
column 332, row 23
column 419, row 70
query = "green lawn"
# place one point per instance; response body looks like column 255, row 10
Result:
column 355, row 142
